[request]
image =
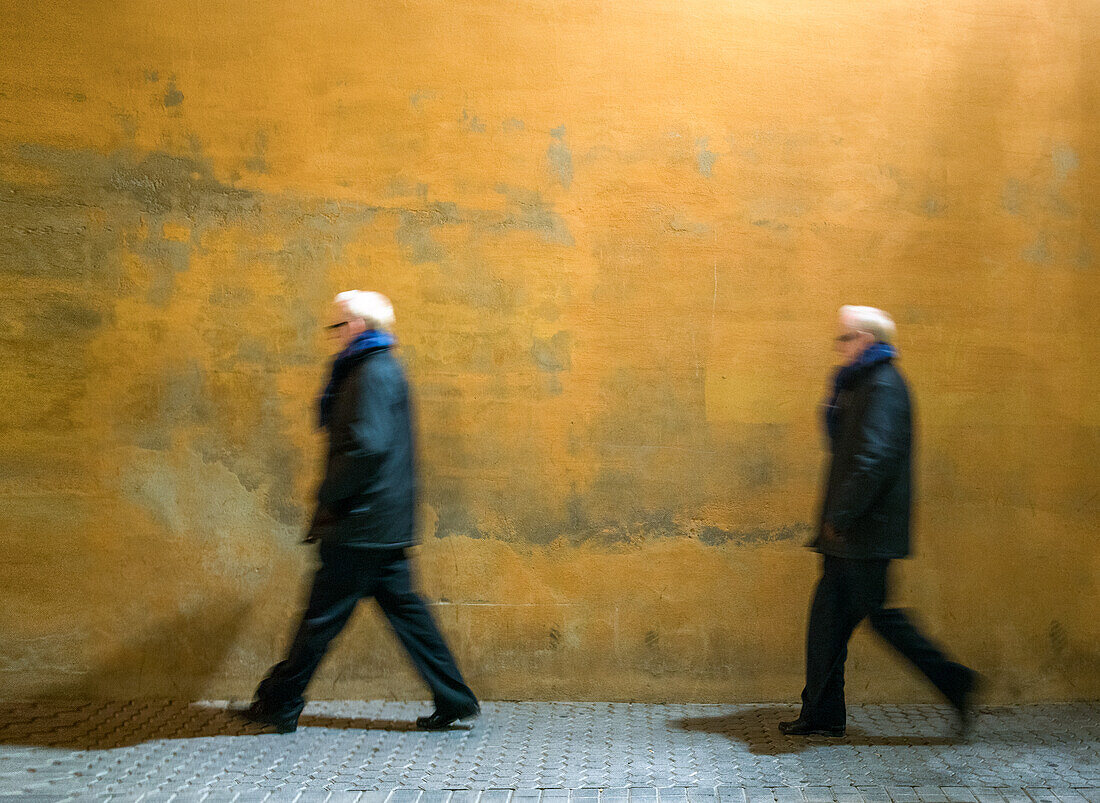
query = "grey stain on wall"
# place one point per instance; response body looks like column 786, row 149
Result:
column 704, row 157
column 553, row 354
column 414, row 231
column 1065, row 161
column 717, row 536
column 1038, row 252
column 472, row 123
column 257, row 162
column 560, row 158
column 527, row 211
column 1012, row 196
column 934, row 207
column 172, row 96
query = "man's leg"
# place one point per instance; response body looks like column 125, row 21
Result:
column 331, row 601
column 831, row 625
column 414, row 627
column 954, row 681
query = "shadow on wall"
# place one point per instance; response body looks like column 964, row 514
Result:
column 178, row 654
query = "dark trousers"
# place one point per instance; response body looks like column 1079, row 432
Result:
column 849, row 591
column 347, row 575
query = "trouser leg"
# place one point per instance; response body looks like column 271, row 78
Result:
column 332, row 599
column 832, row 621
column 418, row 634
column 894, row 625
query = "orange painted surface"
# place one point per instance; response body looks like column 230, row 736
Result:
column 616, row 234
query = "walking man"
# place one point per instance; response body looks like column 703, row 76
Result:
column 864, row 524
column 365, row 523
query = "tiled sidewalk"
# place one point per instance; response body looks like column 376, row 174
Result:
column 369, row 751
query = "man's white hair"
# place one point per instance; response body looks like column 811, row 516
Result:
column 374, row 308
column 869, row 319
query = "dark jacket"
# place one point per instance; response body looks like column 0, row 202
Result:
column 368, row 496
column 868, row 489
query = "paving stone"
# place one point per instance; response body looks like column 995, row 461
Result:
column 371, row 796
column 1068, row 795
column 731, row 794
column 902, row 794
column 850, row 794
column 958, row 794
column 611, row 753
column 1042, row 795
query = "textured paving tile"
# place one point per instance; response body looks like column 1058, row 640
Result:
column 368, row 752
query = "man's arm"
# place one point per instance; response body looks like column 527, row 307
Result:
column 882, row 448
column 368, row 438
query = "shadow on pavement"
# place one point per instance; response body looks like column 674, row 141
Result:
column 758, row 729
column 105, row 725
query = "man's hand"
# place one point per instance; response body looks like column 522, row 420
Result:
column 322, row 518
column 829, row 533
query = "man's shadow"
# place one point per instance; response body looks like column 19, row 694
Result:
column 758, row 728
column 107, row 726
column 178, row 655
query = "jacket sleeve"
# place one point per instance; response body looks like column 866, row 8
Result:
column 366, row 440
column 882, row 444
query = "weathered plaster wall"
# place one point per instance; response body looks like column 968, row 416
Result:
column 616, row 234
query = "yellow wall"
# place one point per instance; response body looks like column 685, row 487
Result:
column 616, row 232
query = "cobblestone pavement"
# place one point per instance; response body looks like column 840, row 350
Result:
column 526, row 752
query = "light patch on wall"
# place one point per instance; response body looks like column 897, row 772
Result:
column 201, row 501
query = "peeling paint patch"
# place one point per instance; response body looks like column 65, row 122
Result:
column 681, row 224
column 417, row 98
column 527, row 211
column 414, row 231
column 512, row 124
column 553, row 354
column 472, row 123
column 560, row 158
column 152, row 76
column 717, row 536
column 774, row 225
column 704, row 157
column 172, row 96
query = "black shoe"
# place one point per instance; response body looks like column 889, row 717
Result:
column 800, row 727
column 964, row 703
column 442, row 720
column 283, row 721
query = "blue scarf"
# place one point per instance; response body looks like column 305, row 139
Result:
column 365, row 343
column 845, row 377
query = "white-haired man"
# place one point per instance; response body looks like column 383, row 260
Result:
column 365, row 523
column 864, row 524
